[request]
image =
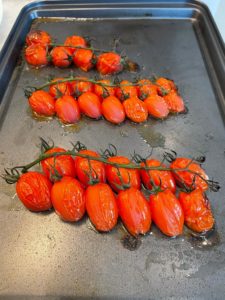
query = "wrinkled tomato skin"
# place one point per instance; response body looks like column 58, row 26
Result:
column 125, row 90
column 42, row 103
column 167, row 213
column 82, row 168
column 104, row 92
column 136, row 110
column 165, row 85
column 197, row 212
column 90, row 105
column 129, row 176
column 79, row 87
column 67, row 110
column 175, row 102
column 36, row 55
column 146, row 88
column 157, row 106
column 113, row 110
column 134, row 211
column 163, row 179
column 75, row 41
column 185, row 176
column 38, row 37
column 59, row 89
column 109, row 63
column 83, row 59
column 101, row 206
column 63, row 164
column 34, row 191
column 68, row 199
column 61, row 57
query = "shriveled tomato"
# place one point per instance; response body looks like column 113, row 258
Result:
column 175, row 102
column 67, row 109
column 90, row 105
column 81, row 86
column 60, row 165
column 83, row 59
column 146, row 88
column 126, row 90
column 120, row 176
column 157, row 106
column 189, row 177
column 75, row 41
column 101, row 206
column 68, row 199
column 38, row 37
column 163, row 179
column 104, row 91
column 165, row 85
column 34, row 190
column 113, row 110
column 83, row 169
column 109, row 63
column 61, row 88
column 42, row 103
column 61, row 57
column 134, row 211
column 36, row 55
column 135, row 110
column 167, row 213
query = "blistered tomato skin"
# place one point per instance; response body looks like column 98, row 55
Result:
column 75, row 41
column 81, row 86
column 136, row 110
column 61, row 57
column 67, row 110
column 83, row 59
column 42, row 103
column 104, row 91
column 157, row 106
column 146, row 88
column 34, row 189
column 175, row 102
column 109, row 63
column 36, row 55
column 126, row 90
column 35, row 37
column 59, row 89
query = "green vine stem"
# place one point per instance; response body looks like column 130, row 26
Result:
column 80, row 47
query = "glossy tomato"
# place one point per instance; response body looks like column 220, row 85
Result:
column 109, row 63
column 83, row 59
column 42, row 103
column 104, row 91
column 165, row 85
column 135, row 109
column 90, row 105
column 68, row 199
column 38, row 37
column 175, row 102
column 126, row 90
column 101, row 206
column 67, row 109
column 134, row 211
column 75, row 41
column 113, row 110
column 61, row 88
column 34, row 190
column 61, row 57
column 36, row 55
column 81, row 86
column 157, row 106
column 146, row 88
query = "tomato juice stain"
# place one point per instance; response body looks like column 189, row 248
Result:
column 204, row 241
column 147, row 133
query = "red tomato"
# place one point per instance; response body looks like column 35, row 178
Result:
column 61, row 57
column 83, row 169
column 104, row 92
column 163, row 179
column 75, row 41
column 157, row 106
column 36, row 55
column 38, row 37
column 175, row 102
column 125, row 90
column 134, row 211
column 83, row 59
column 167, row 213
column 129, row 176
column 63, row 164
column 81, row 86
column 59, row 89
column 101, row 206
column 42, row 103
column 186, row 177
column 135, row 110
column 197, row 212
column 112, row 110
column 34, row 189
column 67, row 109
column 68, row 199
column 109, row 63
column 90, row 105
column 146, row 88
column 165, row 85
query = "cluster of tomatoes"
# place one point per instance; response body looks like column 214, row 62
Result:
column 136, row 101
column 109, row 188
column 40, row 52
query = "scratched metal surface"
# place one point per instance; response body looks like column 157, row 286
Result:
column 42, row 256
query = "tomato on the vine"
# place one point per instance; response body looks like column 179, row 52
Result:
column 83, row 59
column 146, row 88
column 81, row 86
column 109, row 63
column 67, row 109
column 104, row 91
column 61, row 57
column 165, row 85
column 42, row 103
column 38, row 37
column 175, row 102
column 135, row 109
column 90, row 105
column 75, row 41
column 157, row 106
column 59, row 89
column 36, row 55
column 126, row 90
column 113, row 110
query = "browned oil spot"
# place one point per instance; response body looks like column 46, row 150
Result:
column 131, row 243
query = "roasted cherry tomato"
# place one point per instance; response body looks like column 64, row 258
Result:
column 165, row 85
column 75, row 41
column 83, row 169
column 38, row 37
column 83, row 59
column 113, row 110
column 117, row 177
column 175, row 102
column 68, row 199
column 81, row 86
column 62, row 165
column 59, row 89
column 134, row 211
column 167, row 213
column 67, row 109
column 188, row 178
column 126, row 90
column 101, row 206
column 109, row 63
column 104, row 91
column 197, row 212
column 34, row 191
column 146, row 88
column 157, row 106
column 36, row 55
column 61, row 57
column 163, row 179
column 42, row 103
column 90, row 105
column 135, row 110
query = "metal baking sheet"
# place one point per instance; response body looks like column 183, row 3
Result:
column 43, row 257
